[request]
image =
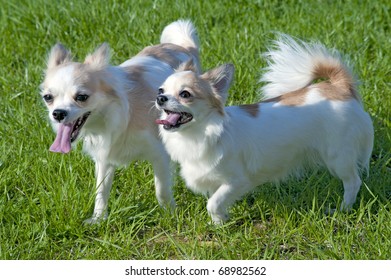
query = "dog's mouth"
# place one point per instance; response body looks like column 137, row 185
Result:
column 175, row 119
column 77, row 125
column 67, row 133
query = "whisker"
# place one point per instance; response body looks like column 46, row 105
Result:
column 152, row 107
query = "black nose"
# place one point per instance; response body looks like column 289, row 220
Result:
column 161, row 99
column 59, row 114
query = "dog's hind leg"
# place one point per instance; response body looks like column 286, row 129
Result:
column 344, row 167
column 351, row 187
column 104, row 175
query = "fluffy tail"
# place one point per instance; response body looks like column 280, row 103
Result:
column 182, row 33
column 293, row 65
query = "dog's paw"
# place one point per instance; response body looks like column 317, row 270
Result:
column 169, row 205
column 218, row 213
column 92, row 221
column 172, row 205
column 219, row 219
column 95, row 220
column 344, row 208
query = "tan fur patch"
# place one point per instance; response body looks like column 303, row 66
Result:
column 165, row 52
column 332, row 92
column 201, row 89
column 214, row 99
column 340, row 85
column 293, row 98
column 135, row 72
column 187, row 66
column 93, row 80
column 143, row 110
column 86, row 78
column 175, row 49
column 141, row 101
column 327, row 90
column 251, row 109
column 107, row 89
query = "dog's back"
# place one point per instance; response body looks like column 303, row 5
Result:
column 178, row 44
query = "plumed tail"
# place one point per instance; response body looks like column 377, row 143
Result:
column 293, row 65
column 184, row 34
column 181, row 33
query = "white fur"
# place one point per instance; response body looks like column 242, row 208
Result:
column 189, row 38
column 120, row 128
column 224, row 156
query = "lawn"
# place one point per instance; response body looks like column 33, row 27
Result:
column 44, row 197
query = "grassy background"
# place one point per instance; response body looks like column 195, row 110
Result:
column 44, row 197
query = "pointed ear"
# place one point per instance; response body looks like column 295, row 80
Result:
column 220, row 79
column 100, row 57
column 188, row 66
column 58, row 55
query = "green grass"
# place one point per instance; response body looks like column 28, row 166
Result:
column 44, row 197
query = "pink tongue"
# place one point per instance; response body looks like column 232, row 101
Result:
column 62, row 144
column 171, row 119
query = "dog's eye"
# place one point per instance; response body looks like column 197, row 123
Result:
column 161, row 91
column 48, row 98
column 185, row 94
column 81, row 97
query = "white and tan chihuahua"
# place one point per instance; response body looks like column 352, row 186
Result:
column 303, row 121
column 111, row 107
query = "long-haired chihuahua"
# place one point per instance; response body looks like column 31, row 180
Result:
column 111, row 107
column 311, row 115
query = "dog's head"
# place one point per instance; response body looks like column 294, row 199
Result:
column 72, row 92
column 186, row 98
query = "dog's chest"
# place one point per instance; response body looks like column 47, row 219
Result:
column 202, row 177
column 124, row 149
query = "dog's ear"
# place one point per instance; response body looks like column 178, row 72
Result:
column 220, row 79
column 188, row 66
column 100, row 57
column 58, row 55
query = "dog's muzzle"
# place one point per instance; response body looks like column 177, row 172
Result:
column 59, row 114
column 161, row 99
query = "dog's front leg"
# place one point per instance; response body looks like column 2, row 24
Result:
column 163, row 180
column 104, row 180
column 223, row 198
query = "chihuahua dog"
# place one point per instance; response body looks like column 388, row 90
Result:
column 311, row 115
column 111, row 107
